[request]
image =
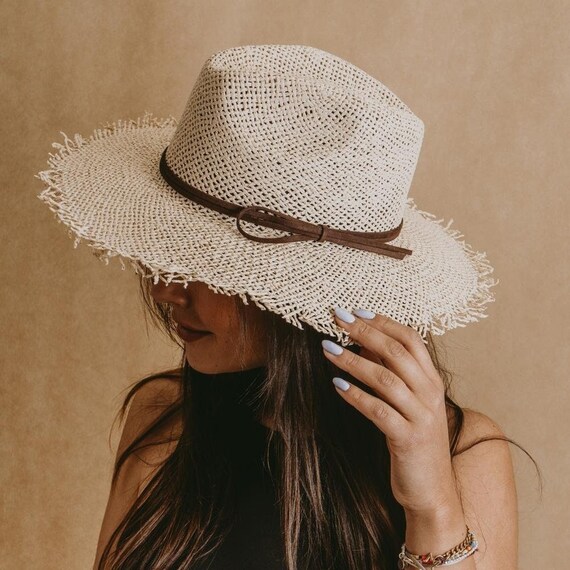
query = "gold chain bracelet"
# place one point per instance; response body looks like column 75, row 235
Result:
column 452, row 556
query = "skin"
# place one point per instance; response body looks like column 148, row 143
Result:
column 204, row 309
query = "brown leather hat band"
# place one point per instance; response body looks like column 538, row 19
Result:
column 299, row 229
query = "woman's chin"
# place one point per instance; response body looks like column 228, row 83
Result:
column 201, row 362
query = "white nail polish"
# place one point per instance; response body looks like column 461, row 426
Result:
column 340, row 383
column 332, row 347
column 344, row 315
column 364, row 314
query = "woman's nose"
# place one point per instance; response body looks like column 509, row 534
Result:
column 171, row 293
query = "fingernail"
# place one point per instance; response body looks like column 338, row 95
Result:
column 363, row 313
column 344, row 315
column 341, row 384
column 332, row 347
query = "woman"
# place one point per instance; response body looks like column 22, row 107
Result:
column 280, row 201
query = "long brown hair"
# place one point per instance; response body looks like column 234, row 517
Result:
column 337, row 508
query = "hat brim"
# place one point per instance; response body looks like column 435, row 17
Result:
column 108, row 190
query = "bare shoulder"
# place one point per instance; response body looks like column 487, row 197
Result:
column 486, row 484
column 477, row 425
column 484, row 459
column 147, row 405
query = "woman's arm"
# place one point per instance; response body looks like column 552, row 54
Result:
column 408, row 405
column 487, row 503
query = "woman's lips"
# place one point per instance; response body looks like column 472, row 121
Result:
column 188, row 334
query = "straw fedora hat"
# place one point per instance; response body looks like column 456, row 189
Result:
column 286, row 179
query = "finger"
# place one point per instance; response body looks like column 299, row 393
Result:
column 367, row 353
column 406, row 336
column 391, row 351
column 380, row 413
column 383, row 382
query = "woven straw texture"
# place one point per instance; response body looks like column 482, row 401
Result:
column 295, row 129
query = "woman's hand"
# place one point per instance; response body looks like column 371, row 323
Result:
column 408, row 406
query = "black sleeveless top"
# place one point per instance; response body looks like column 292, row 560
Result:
column 255, row 541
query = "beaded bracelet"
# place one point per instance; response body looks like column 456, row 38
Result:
column 452, row 556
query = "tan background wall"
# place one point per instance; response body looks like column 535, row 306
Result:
column 491, row 81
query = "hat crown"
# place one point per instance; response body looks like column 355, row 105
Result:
column 301, row 131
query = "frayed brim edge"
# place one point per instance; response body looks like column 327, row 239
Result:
column 470, row 309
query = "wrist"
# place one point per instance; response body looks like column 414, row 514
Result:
column 435, row 530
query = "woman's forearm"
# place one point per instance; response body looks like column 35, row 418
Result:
column 438, row 531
